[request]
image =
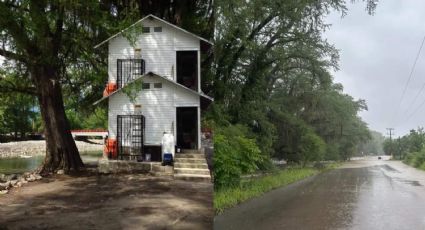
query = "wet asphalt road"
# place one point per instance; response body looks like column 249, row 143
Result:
column 365, row 194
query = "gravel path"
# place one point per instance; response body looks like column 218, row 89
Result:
column 33, row 148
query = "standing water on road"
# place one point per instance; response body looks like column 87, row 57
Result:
column 361, row 195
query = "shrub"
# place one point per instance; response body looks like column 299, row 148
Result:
column 419, row 159
column 311, row 147
column 416, row 159
column 234, row 155
column 332, row 152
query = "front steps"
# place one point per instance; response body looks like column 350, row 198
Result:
column 191, row 165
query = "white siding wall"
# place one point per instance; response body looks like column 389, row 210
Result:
column 158, row 49
column 158, row 107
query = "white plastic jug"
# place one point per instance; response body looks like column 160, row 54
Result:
column 167, row 144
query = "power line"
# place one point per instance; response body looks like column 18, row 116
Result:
column 415, row 111
column 408, row 80
column 416, row 98
column 390, row 130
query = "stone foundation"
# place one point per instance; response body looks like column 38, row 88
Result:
column 120, row 166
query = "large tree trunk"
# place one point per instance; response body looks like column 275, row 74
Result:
column 61, row 151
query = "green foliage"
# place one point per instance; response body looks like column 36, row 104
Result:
column 235, row 154
column 416, row 159
column 98, row 119
column 332, row 152
column 132, row 89
column 272, row 74
column 311, row 147
column 74, row 119
column 17, row 115
column 406, row 146
column 132, row 33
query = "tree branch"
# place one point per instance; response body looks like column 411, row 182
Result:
column 12, row 55
column 251, row 36
column 9, row 87
column 8, row 22
column 29, row 91
column 59, row 28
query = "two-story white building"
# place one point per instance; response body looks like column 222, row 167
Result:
column 166, row 59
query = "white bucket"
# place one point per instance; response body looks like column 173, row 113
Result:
column 148, row 157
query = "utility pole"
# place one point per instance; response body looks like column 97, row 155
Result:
column 399, row 148
column 391, row 132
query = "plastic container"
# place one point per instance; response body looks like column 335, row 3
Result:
column 110, row 149
column 110, row 88
column 167, row 144
column 167, row 159
column 148, row 157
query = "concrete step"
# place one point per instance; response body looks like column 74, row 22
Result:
column 162, row 169
column 189, row 160
column 202, row 165
column 190, row 151
column 191, row 171
column 191, row 177
column 190, row 155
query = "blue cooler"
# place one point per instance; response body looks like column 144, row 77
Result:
column 167, row 159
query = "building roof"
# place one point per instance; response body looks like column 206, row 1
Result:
column 162, row 77
column 159, row 19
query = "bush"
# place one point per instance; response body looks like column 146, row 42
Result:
column 419, row 159
column 332, row 152
column 409, row 159
column 234, row 155
column 311, row 147
column 416, row 159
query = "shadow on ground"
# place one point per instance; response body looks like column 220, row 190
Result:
column 108, row 202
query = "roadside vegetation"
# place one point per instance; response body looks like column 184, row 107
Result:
column 406, row 146
column 275, row 97
column 416, row 159
column 256, row 186
column 409, row 148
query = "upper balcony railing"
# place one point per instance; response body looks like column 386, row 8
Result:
column 128, row 70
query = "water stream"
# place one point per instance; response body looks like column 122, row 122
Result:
column 21, row 165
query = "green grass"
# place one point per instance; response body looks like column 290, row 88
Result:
column 229, row 197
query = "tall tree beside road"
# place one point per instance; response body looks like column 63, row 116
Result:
column 272, row 75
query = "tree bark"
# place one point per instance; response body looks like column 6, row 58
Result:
column 61, row 151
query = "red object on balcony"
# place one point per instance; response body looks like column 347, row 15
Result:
column 110, row 88
column 110, row 149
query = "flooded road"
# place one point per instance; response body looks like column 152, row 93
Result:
column 363, row 194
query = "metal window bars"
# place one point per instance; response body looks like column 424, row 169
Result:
column 128, row 70
column 130, row 136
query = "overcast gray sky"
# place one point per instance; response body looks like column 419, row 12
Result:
column 377, row 53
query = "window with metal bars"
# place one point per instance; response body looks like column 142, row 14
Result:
column 130, row 136
column 128, row 70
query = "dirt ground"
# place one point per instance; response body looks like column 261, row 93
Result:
column 108, row 202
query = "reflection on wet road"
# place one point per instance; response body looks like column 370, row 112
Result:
column 361, row 195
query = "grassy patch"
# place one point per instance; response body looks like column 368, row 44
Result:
column 229, row 197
